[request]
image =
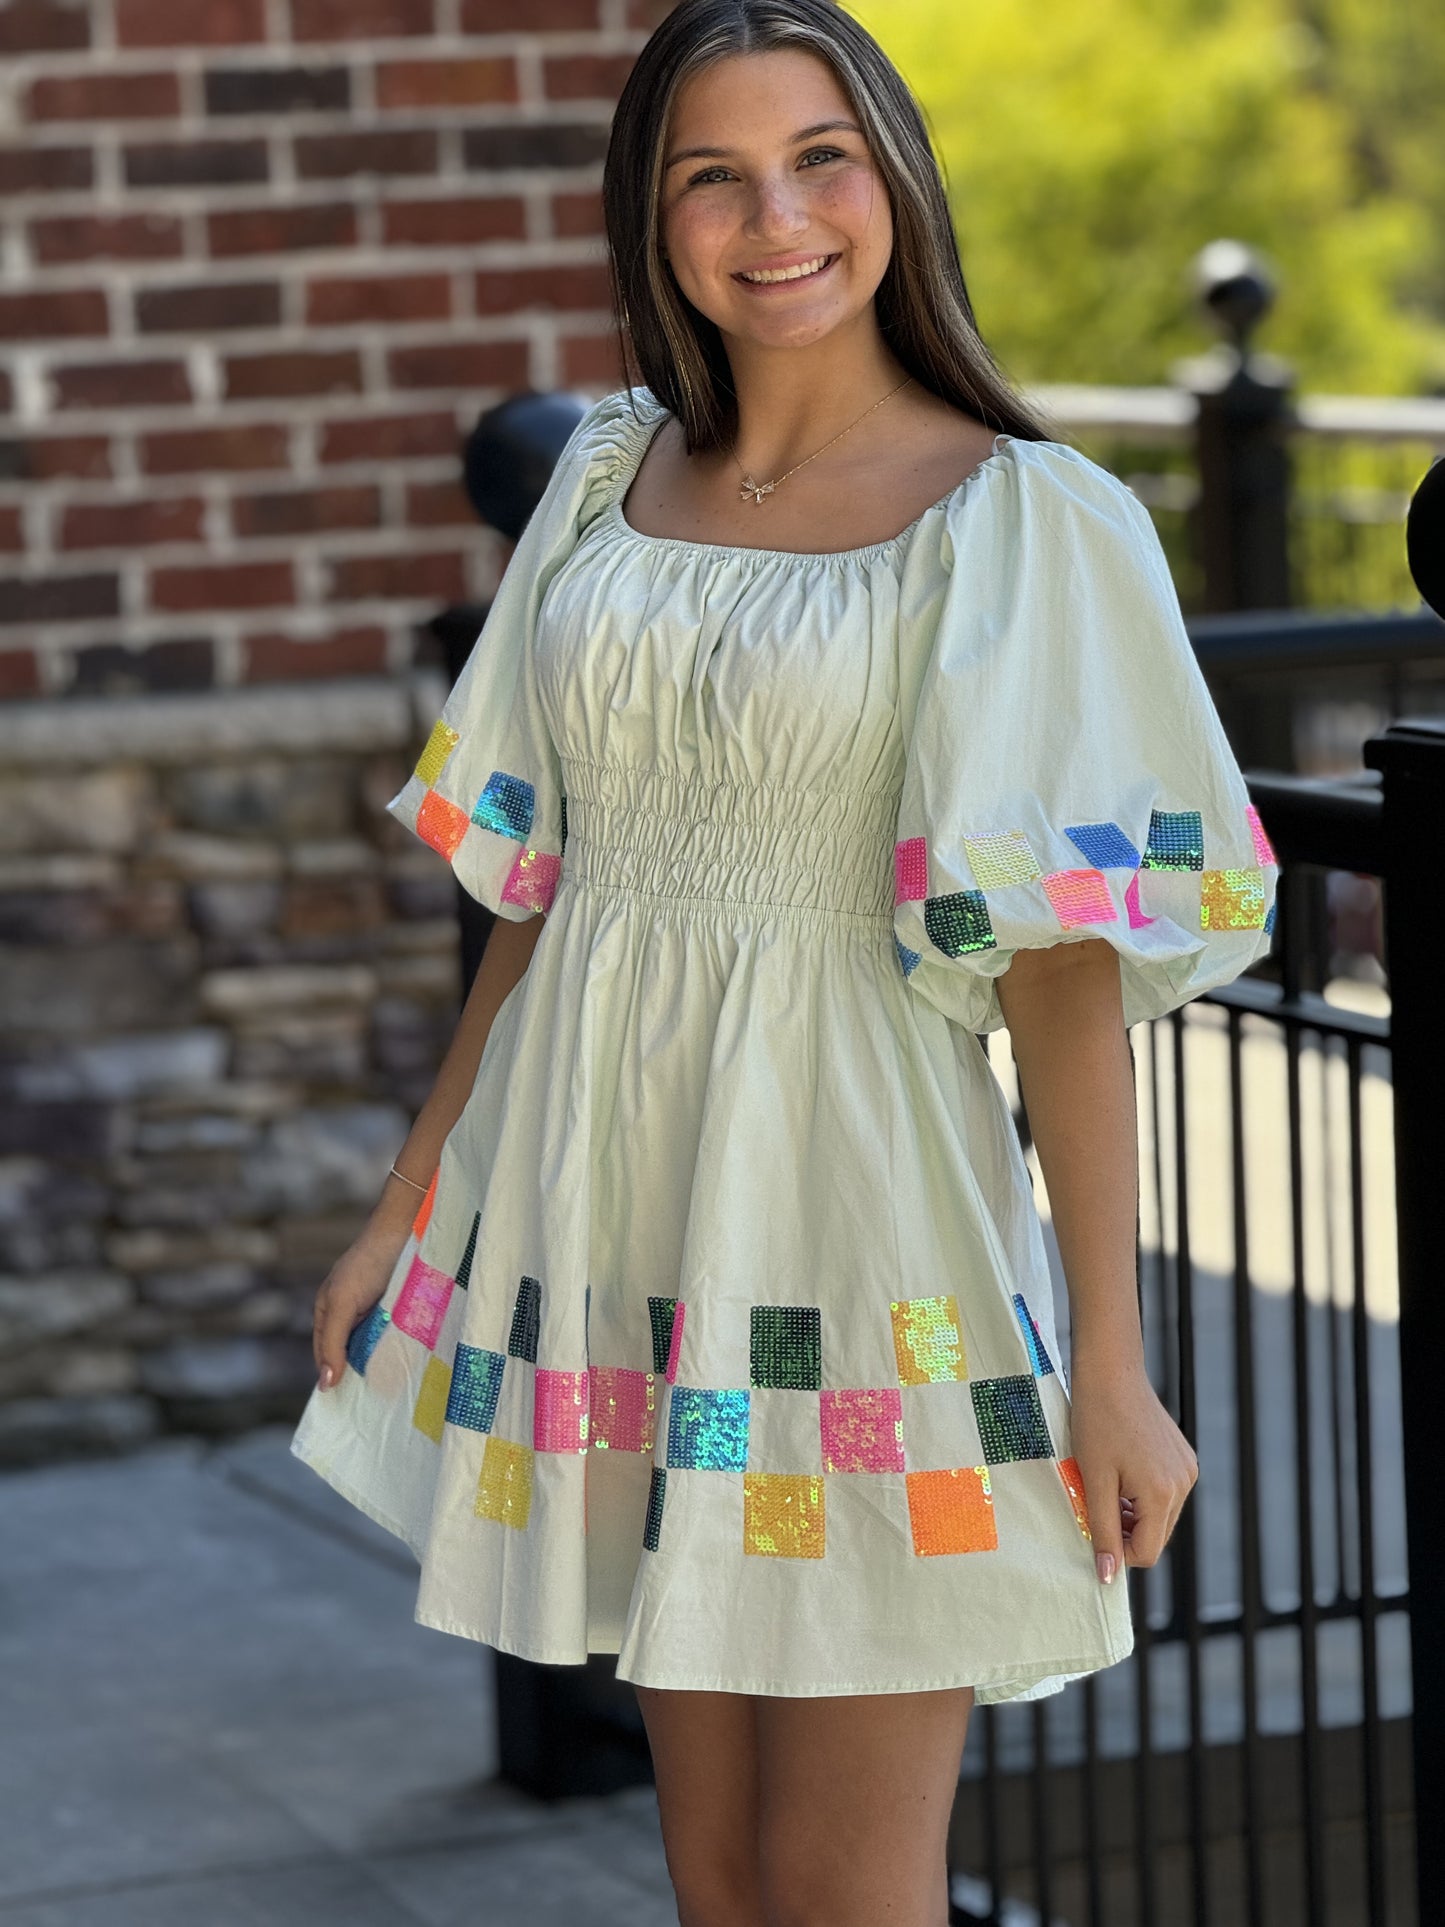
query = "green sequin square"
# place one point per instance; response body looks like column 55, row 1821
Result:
column 958, row 923
column 1011, row 1420
column 787, row 1347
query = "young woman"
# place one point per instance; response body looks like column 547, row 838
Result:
column 829, row 714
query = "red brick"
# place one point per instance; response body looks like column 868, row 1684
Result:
column 396, row 297
column 445, row 83
column 125, row 525
column 275, row 657
column 294, row 372
column 361, row 19
column 586, row 76
column 120, row 669
column 59, row 598
column 41, row 27
column 223, row 585
column 335, row 157
column 278, row 90
column 439, row 505
column 401, row 578
column 387, row 438
column 509, row 290
column 592, row 361
column 121, row 384
column 577, row 214
column 236, row 447
column 306, row 511
column 278, row 230
column 58, row 312
column 12, row 530
column 44, row 170
column 211, row 23
column 644, row 15
column 453, row 223
column 101, row 97
column 459, row 364
column 203, row 163
column 549, row 144
column 59, row 239
column 7, row 392
column 19, row 674
column 49, row 458
column 527, row 16
column 208, row 307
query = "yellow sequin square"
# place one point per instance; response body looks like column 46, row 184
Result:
column 439, row 746
column 1231, row 899
column 430, row 1410
column 1001, row 858
column 783, row 1514
column 928, row 1340
column 952, row 1511
column 504, row 1491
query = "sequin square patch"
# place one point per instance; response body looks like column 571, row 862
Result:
column 665, row 1316
column 1176, row 841
column 952, row 1511
column 422, row 1302
column 783, row 1514
column 910, row 870
column 1104, row 844
column 928, row 1340
column 464, row 1269
column 622, row 1409
column 1137, row 918
column 366, row 1337
column 908, row 959
column 439, row 746
column 656, row 1497
column 430, row 1411
column 1011, row 1420
column 1231, row 899
column 423, row 1211
column 1038, row 1356
column 1001, row 857
column 958, row 923
column 862, row 1430
column 526, row 1321
column 1073, row 1480
column 506, row 805
column 787, row 1347
column 559, row 1412
column 440, row 823
column 1080, row 896
column 1263, row 848
column 707, row 1430
column 532, row 879
column 504, row 1489
column 476, row 1386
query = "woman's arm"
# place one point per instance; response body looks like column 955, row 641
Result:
column 358, row 1278
column 1065, row 1019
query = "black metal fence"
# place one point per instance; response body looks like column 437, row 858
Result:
column 1257, row 1760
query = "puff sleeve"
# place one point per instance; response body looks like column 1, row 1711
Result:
column 487, row 789
column 1066, row 774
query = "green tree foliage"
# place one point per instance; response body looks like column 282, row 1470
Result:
column 1091, row 151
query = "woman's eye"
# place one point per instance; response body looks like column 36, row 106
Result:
column 701, row 180
column 825, row 153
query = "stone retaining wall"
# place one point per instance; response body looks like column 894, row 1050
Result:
column 226, row 982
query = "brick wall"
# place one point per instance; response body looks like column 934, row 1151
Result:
column 264, row 261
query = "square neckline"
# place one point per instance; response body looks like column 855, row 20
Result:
column 863, row 552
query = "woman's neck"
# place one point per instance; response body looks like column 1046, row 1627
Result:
column 790, row 400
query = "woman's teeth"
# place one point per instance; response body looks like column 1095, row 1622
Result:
column 788, row 274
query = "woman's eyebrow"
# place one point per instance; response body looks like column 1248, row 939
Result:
column 721, row 153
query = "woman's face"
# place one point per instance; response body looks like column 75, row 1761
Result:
column 784, row 181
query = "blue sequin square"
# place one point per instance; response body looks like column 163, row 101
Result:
column 908, row 958
column 476, row 1383
column 526, row 1321
column 1104, row 844
column 707, row 1430
column 1038, row 1353
column 363, row 1341
column 1011, row 1420
column 1269, row 919
column 506, row 804
column 958, row 923
column 1176, row 841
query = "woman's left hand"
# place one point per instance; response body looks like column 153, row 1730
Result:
column 1137, row 1466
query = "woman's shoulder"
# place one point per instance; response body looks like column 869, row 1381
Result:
column 1033, row 497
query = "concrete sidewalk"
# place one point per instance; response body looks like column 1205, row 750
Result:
column 216, row 1708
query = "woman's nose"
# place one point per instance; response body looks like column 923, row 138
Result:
column 777, row 209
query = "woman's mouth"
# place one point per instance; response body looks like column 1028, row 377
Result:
column 808, row 270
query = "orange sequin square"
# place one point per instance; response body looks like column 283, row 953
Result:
column 504, row 1490
column 1073, row 1480
column 440, row 823
column 952, row 1511
column 783, row 1514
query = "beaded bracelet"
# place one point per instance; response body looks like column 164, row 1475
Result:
column 406, row 1180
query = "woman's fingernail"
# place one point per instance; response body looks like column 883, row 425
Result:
column 1105, row 1563
column 325, row 1378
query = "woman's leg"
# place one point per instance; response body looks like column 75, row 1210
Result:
column 705, row 1759
column 854, row 1797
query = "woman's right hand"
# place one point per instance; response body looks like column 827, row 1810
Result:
column 352, row 1286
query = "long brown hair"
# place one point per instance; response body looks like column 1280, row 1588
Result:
column 922, row 304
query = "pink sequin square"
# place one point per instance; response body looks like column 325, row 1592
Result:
column 1080, row 896
column 1263, row 848
column 559, row 1416
column 1137, row 918
column 622, row 1416
column 422, row 1302
column 910, row 870
column 676, row 1345
column 532, row 879
column 862, row 1430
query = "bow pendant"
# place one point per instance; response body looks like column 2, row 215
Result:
column 756, row 489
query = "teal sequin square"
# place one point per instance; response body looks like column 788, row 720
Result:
column 1176, row 841
column 958, row 923
column 464, row 1269
column 506, row 805
column 475, row 1387
column 707, row 1430
column 363, row 1341
column 526, row 1321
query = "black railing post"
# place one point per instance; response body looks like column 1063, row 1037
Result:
column 1411, row 759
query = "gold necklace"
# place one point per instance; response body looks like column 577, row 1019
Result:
column 759, row 489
